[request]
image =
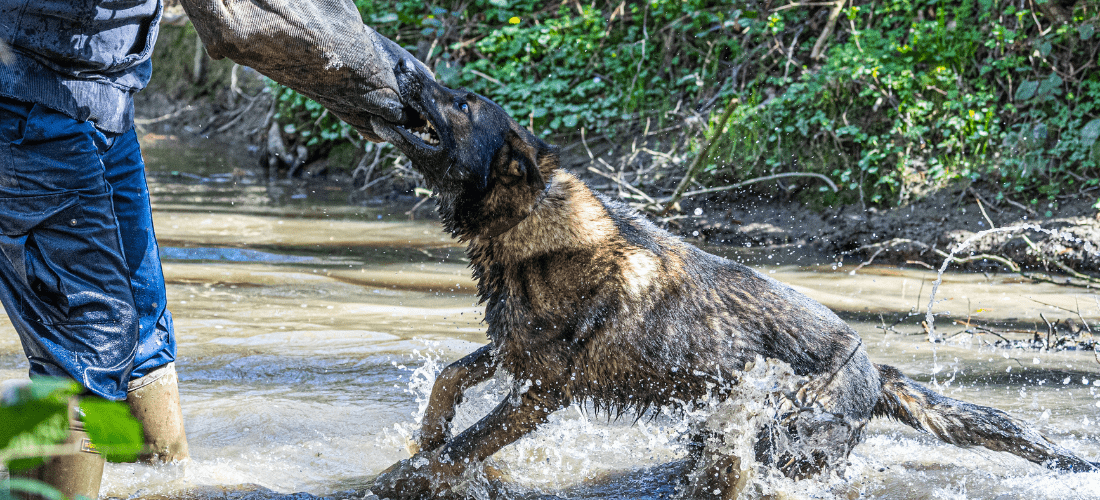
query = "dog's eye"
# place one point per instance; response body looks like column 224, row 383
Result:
column 464, row 107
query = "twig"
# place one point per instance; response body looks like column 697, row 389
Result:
column 1082, row 318
column 983, row 200
column 368, row 169
column 803, row 4
column 623, row 184
column 169, row 116
column 487, row 77
column 790, row 52
column 1052, row 305
column 868, row 262
column 376, row 181
column 828, row 181
column 412, row 211
column 676, row 195
column 982, row 329
column 243, row 112
column 1050, row 330
column 585, row 143
column 1020, row 206
column 819, row 46
column 981, row 207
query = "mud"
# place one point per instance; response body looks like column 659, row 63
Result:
column 908, row 235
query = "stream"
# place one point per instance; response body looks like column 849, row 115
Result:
column 309, row 333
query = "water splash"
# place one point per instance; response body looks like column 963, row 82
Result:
column 428, row 365
column 578, row 449
column 930, row 318
column 768, row 395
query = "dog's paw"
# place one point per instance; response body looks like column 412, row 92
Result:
column 410, row 479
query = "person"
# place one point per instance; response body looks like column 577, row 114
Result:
column 80, row 273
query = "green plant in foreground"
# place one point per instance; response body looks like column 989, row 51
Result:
column 36, row 423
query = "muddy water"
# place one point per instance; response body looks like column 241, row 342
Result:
column 309, row 332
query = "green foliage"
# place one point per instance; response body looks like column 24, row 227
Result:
column 9, row 487
column 911, row 94
column 37, row 420
column 554, row 67
column 114, row 432
column 916, row 93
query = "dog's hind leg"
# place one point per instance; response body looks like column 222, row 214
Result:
column 467, row 372
column 965, row 424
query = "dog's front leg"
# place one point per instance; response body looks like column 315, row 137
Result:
column 467, row 372
column 433, row 473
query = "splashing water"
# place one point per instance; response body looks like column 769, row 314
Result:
column 576, row 447
column 930, row 318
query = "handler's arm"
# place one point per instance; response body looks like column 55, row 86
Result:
column 320, row 48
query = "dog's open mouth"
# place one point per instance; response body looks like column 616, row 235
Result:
column 418, row 126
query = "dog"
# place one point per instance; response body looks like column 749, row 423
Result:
column 586, row 300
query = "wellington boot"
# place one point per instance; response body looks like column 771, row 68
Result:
column 73, row 475
column 155, row 402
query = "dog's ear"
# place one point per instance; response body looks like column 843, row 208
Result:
column 517, row 160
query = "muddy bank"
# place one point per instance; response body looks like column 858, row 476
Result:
column 917, row 234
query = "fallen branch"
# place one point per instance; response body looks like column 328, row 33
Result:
column 819, row 47
column 832, row 185
column 169, row 116
column 676, row 195
column 620, row 182
column 1090, row 281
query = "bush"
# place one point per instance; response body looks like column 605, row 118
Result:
column 910, row 94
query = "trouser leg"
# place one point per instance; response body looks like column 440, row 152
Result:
column 80, row 274
column 153, row 392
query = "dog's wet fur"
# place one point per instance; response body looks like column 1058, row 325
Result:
column 586, row 300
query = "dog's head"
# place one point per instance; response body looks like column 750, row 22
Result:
column 488, row 171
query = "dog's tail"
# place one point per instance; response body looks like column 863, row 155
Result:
column 964, row 424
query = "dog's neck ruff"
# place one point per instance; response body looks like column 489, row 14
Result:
column 512, row 224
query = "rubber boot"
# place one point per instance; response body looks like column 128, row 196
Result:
column 78, row 474
column 155, row 402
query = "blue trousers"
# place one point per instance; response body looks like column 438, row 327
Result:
column 80, row 273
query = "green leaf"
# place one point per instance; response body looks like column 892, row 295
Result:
column 34, row 488
column 1086, row 31
column 38, row 418
column 1048, row 86
column 114, row 432
column 1090, row 132
column 1026, row 90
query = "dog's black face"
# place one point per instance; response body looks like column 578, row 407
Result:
column 484, row 166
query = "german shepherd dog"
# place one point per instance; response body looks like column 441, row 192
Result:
column 585, row 300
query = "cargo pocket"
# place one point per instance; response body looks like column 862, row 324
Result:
column 50, row 260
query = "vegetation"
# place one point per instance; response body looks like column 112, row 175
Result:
column 888, row 98
column 36, row 422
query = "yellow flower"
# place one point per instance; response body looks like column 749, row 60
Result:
column 513, row 20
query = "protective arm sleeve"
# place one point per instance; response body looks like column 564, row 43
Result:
column 320, row 48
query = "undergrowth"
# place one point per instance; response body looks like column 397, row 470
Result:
column 905, row 96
